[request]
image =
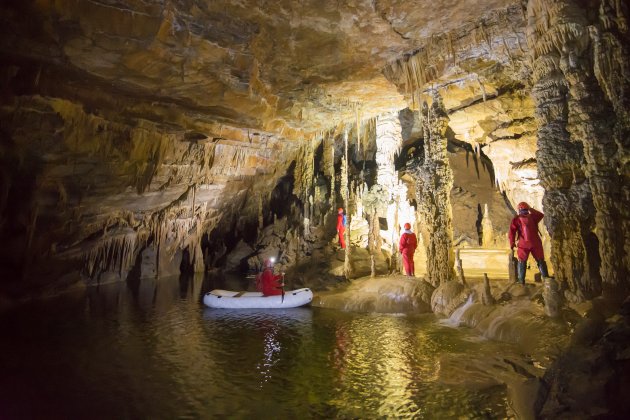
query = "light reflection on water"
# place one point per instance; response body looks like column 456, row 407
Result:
column 151, row 350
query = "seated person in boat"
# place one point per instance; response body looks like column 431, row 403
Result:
column 268, row 283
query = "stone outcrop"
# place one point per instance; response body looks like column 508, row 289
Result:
column 447, row 297
column 590, row 379
column 394, row 294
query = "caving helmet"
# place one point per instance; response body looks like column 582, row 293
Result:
column 523, row 208
column 407, row 226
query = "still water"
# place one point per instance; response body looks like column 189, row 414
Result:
column 151, row 350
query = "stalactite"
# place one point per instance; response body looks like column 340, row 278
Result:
column 507, row 51
column 389, row 142
column 115, row 252
column 373, row 234
column 482, row 88
column 194, row 197
column 358, row 121
column 434, row 180
column 484, row 35
column 451, row 49
column 413, row 72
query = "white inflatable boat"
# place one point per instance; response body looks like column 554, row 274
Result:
column 255, row 300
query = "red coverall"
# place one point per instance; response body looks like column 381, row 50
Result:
column 341, row 228
column 407, row 246
column 271, row 285
column 528, row 239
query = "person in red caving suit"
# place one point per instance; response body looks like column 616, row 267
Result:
column 268, row 283
column 524, row 228
column 341, row 227
column 407, row 247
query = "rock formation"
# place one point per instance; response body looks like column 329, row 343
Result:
column 146, row 139
column 150, row 138
column 434, row 181
column 580, row 162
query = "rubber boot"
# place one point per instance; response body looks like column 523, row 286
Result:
column 522, row 269
column 542, row 266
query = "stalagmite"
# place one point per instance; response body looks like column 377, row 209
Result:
column 394, row 266
column 512, row 267
column 374, row 202
column 459, row 268
column 551, row 297
column 486, row 297
column 372, row 242
column 487, row 231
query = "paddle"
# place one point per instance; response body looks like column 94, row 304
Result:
column 282, row 300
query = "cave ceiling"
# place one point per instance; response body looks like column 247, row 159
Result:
column 288, row 67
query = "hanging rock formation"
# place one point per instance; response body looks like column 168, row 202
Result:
column 107, row 190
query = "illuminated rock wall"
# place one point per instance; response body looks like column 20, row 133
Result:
column 100, row 196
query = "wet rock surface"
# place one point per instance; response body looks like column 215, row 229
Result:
column 591, row 378
column 391, row 294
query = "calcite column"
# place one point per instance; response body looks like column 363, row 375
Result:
column 388, row 136
column 610, row 37
column 388, row 142
column 566, row 64
column 345, row 193
column 434, row 181
column 568, row 206
column 589, row 123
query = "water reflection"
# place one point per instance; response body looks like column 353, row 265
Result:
column 149, row 349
